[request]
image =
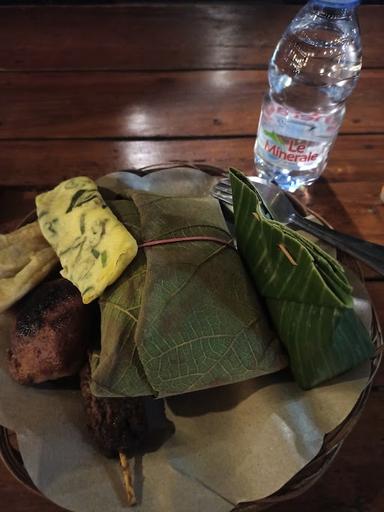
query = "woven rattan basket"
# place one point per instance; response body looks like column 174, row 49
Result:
column 333, row 441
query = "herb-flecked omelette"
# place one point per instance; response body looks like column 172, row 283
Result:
column 94, row 248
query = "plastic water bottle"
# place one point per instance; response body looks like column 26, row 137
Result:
column 314, row 68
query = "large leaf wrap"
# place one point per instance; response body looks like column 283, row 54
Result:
column 183, row 316
column 306, row 291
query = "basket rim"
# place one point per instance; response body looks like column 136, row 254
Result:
column 333, row 440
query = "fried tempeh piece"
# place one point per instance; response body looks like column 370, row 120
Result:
column 50, row 337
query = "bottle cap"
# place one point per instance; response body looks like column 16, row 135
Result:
column 337, row 4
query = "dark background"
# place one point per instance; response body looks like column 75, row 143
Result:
column 122, row 2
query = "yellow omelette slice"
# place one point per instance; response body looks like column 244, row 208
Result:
column 94, row 248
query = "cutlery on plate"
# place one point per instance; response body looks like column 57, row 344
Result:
column 282, row 210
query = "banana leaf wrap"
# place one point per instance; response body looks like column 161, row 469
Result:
column 306, row 291
column 183, row 316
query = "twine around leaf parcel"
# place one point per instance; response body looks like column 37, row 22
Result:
column 165, row 241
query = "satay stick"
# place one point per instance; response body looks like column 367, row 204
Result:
column 124, row 463
column 287, row 254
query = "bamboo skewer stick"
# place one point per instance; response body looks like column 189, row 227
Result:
column 287, row 254
column 127, row 475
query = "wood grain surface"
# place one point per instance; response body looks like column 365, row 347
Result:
column 233, row 35
column 160, row 104
column 97, row 89
column 41, row 163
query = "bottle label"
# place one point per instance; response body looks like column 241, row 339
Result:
column 295, row 140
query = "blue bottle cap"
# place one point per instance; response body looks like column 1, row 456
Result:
column 337, row 4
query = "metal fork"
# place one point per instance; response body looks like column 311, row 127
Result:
column 282, row 209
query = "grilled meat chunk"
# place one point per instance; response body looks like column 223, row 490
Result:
column 50, row 336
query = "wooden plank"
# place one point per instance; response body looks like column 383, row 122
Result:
column 356, row 158
column 353, row 208
column 45, row 163
column 139, row 105
column 200, row 36
column 16, row 204
column 376, row 292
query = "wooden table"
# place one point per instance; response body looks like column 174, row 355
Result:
column 91, row 90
